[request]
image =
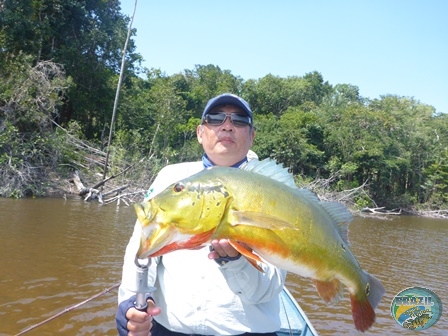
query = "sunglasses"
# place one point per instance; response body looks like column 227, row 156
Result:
column 216, row 119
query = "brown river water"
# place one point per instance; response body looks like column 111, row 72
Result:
column 56, row 253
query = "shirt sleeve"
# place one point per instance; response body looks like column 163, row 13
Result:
column 251, row 285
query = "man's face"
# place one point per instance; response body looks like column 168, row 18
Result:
column 225, row 144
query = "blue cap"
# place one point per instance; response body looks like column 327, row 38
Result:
column 228, row 99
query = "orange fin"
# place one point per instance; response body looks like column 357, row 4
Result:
column 251, row 257
column 330, row 291
column 363, row 306
column 363, row 313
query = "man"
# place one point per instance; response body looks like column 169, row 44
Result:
column 196, row 295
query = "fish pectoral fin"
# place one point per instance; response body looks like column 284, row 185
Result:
column 251, row 257
column 261, row 220
column 330, row 291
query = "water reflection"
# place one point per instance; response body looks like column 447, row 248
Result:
column 56, row 253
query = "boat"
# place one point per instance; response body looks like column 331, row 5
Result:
column 293, row 318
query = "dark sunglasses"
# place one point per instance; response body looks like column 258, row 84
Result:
column 219, row 118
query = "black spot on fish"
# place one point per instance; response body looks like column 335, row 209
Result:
column 216, row 190
column 367, row 290
column 343, row 247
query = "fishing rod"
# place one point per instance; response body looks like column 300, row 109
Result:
column 66, row 310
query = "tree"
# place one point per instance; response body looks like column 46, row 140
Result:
column 29, row 149
column 205, row 82
column 86, row 37
column 273, row 94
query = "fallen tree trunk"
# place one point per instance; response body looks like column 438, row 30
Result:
column 92, row 193
column 382, row 211
column 95, row 192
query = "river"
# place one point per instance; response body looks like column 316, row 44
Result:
column 56, row 253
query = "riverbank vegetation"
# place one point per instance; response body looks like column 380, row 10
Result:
column 59, row 68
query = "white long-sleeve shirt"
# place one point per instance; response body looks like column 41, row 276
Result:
column 197, row 296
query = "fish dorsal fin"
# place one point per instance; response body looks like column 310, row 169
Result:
column 340, row 215
column 272, row 169
column 337, row 211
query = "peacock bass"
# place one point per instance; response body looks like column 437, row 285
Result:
column 259, row 205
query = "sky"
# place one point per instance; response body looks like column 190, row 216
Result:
column 397, row 47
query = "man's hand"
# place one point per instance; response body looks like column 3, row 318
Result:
column 222, row 248
column 140, row 323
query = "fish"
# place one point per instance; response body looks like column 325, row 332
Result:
column 267, row 218
column 419, row 321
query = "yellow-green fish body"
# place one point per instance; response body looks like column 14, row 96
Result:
column 261, row 207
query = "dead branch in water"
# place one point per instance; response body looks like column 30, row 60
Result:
column 322, row 188
column 94, row 193
column 382, row 211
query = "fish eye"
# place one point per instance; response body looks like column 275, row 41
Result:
column 178, row 187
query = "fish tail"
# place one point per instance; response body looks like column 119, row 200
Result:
column 363, row 307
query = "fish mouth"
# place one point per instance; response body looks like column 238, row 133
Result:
column 162, row 232
column 146, row 212
column 157, row 236
column 158, row 240
column 148, row 241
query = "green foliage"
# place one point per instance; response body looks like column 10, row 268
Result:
column 27, row 162
column 60, row 61
column 273, row 94
column 436, row 185
column 30, row 97
column 291, row 139
column 87, row 37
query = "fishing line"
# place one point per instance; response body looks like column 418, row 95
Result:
column 66, row 310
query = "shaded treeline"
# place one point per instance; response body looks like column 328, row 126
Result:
column 59, row 66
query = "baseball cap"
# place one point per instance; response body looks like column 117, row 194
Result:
column 227, row 99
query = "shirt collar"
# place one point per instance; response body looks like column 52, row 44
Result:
column 207, row 163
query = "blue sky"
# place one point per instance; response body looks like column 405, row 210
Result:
column 395, row 47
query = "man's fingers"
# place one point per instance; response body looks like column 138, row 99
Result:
column 223, row 248
column 152, row 309
column 136, row 315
